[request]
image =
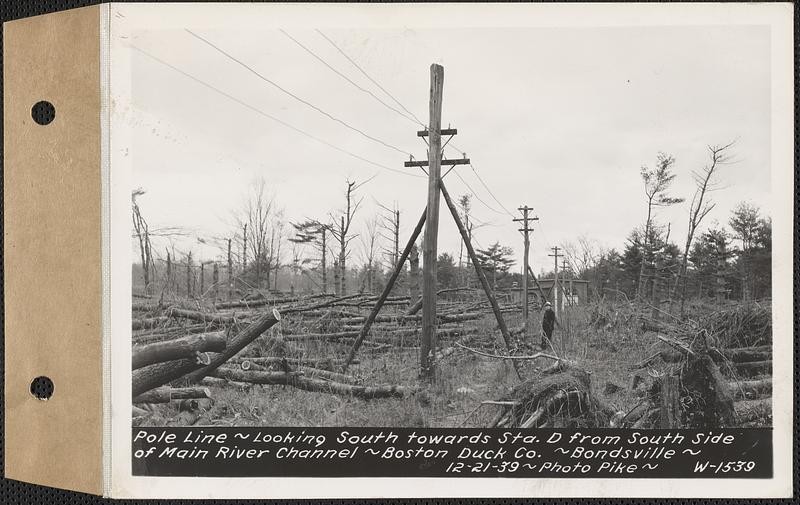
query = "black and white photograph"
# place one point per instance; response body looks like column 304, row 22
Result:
column 459, row 228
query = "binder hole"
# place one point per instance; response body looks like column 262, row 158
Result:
column 43, row 112
column 42, row 388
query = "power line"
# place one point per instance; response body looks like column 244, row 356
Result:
column 475, row 194
column 370, row 78
column 490, row 191
column 459, row 150
column 364, row 90
column 289, row 93
column 269, row 116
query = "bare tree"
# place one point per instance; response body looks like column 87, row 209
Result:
column 465, row 207
column 656, row 186
column 340, row 229
column 143, row 235
column 582, row 254
column 274, row 258
column 262, row 233
column 700, row 207
column 369, row 244
column 389, row 224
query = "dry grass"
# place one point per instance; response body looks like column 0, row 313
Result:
column 464, row 380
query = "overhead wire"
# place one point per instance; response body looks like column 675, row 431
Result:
column 267, row 115
column 475, row 194
column 343, row 76
column 447, row 144
column 331, row 42
column 292, row 95
column 453, row 146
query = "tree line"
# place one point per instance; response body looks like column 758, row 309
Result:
column 267, row 251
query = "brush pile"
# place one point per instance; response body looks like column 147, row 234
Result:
column 746, row 325
column 723, row 365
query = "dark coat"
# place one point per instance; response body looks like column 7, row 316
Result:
column 548, row 322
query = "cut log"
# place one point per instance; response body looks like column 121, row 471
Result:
column 237, row 343
column 322, row 364
column 442, row 318
column 388, row 337
column 264, row 301
column 308, row 384
column 749, row 390
column 217, row 382
column 316, row 373
column 152, row 376
column 202, row 317
column 170, row 350
column 168, row 394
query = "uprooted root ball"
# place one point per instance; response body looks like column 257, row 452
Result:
column 563, row 399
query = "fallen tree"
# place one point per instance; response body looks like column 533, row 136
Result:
column 202, row 317
column 299, row 381
column 387, row 337
column 170, row 350
column 309, row 372
column 321, row 363
column 260, row 302
column 442, row 318
column 168, row 394
column 236, row 344
column 152, row 376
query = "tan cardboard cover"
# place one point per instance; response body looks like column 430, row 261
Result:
column 53, row 250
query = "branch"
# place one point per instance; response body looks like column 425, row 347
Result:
column 534, row 356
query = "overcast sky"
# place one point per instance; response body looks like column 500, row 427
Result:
column 560, row 119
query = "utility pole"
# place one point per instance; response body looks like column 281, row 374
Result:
column 555, row 256
column 427, row 349
column 324, row 260
column 428, row 344
column 525, row 233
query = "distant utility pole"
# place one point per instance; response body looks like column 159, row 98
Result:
column 555, row 256
column 525, row 233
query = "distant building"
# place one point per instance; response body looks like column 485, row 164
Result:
column 573, row 292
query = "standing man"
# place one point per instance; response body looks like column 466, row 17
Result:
column 548, row 323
